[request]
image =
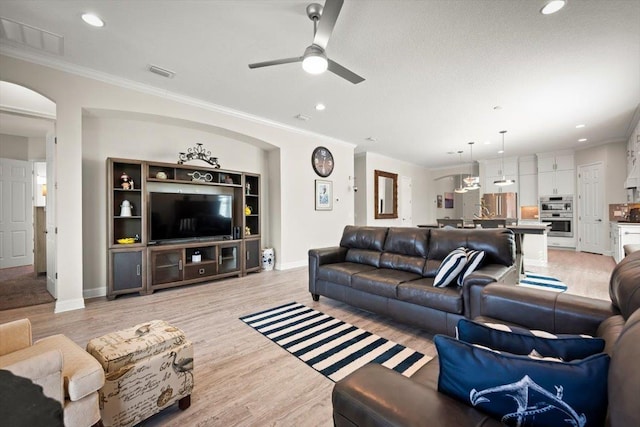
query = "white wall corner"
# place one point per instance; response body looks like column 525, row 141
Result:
column 69, row 305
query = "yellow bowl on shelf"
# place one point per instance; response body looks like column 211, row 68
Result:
column 126, row 240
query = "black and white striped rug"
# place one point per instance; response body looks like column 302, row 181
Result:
column 540, row 281
column 330, row 346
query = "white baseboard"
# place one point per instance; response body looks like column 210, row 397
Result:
column 290, row 265
column 94, row 292
column 68, row 305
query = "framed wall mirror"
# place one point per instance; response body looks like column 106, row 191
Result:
column 385, row 194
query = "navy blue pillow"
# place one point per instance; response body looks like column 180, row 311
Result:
column 523, row 341
column 519, row 390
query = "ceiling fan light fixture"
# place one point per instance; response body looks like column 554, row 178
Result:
column 315, row 61
column 552, row 7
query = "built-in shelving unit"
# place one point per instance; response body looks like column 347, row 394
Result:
column 181, row 262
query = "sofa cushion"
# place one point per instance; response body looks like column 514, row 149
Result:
column 407, row 241
column 363, row 256
column 341, row 273
column 520, row 390
column 451, row 267
column 624, row 287
column 474, row 261
column 381, row 281
column 409, row 263
column 355, row 237
column 422, row 292
column 523, row 341
column 497, row 243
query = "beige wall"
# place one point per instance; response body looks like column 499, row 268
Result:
column 301, row 227
column 14, row 147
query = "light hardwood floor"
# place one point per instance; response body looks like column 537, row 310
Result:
column 242, row 378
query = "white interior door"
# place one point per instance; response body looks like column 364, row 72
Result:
column 50, row 209
column 16, row 213
column 406, row 196
column 591, row 209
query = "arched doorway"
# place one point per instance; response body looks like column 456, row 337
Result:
column 27, row 154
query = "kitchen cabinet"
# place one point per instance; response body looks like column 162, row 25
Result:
column 556, row 174
column 493, row 170
column 623, row 234
column 528, row 181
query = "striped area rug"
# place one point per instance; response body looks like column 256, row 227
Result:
column 330, row 346
column 540, row 281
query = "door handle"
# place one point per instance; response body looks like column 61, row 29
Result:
column 138, row 272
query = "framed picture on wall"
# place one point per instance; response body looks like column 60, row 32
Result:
column 448, row 200
column 439, row 201
column 324, row 195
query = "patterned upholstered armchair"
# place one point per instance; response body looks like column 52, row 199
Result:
column 63, row 369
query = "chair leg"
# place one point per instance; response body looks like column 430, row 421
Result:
column 185, row 402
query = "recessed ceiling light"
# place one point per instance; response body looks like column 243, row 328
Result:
column 552, row 7
column 582, row 140
column 500, row 151
column 579, row 126
column 320, row 106
column 92, row 20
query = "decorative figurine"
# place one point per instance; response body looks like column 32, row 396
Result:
column 125, row 181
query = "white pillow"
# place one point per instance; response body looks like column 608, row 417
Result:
column 450, row 268
column 474, row 260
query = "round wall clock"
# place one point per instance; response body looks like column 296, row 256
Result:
column 322, row 161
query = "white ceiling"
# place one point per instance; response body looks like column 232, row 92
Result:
column 434, row 69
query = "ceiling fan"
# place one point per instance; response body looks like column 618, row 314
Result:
column 314, row 60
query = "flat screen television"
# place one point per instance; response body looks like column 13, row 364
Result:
column 176, row 216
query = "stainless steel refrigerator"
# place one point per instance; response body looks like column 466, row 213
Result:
column 499, row 205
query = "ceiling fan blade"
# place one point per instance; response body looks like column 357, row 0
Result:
column 338, row 69
column 275, row 62
column 330, row 13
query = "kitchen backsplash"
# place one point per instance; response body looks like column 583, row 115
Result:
column 620, row 211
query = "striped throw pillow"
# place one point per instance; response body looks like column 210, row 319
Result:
column 474, row 260
column 450, row 268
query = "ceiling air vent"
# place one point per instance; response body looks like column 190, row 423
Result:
column 26, row 35
column 162, row 71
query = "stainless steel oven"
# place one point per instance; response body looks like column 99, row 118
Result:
column 554, row 204
column 561, row 223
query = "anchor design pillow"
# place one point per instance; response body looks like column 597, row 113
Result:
column 520, row 390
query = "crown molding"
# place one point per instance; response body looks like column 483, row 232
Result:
column 89, row 73
column 16, row 111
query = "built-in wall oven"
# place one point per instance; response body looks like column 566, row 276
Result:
column 558, row 210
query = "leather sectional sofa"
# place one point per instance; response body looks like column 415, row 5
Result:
column 377, row 396
column 391, row 271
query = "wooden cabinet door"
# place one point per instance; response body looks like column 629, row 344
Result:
column 127, row 271
column 546, row 183
column 565, row 182
column 565, row 162
column 252, row 254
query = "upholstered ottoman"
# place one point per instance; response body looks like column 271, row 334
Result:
column 147, row 367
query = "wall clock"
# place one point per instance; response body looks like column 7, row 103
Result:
column 322, row 161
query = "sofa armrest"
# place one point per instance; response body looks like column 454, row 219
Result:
column 377, row 396
column 322, row 256
column 476, row 281
column 43, row 369
column 15, row 336
column 554, row 312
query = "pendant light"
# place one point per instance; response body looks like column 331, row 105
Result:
column 460, row 189
column 504, row 181
column 471, row 182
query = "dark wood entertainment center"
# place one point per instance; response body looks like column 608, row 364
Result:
column 144, row 266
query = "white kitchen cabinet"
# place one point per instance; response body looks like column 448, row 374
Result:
column 528, row 181
column 556, row 174
column 623, row 234
column 528, row 195
column 493, row 170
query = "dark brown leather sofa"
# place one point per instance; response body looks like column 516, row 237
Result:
column 390, row 271
column 376, row 396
